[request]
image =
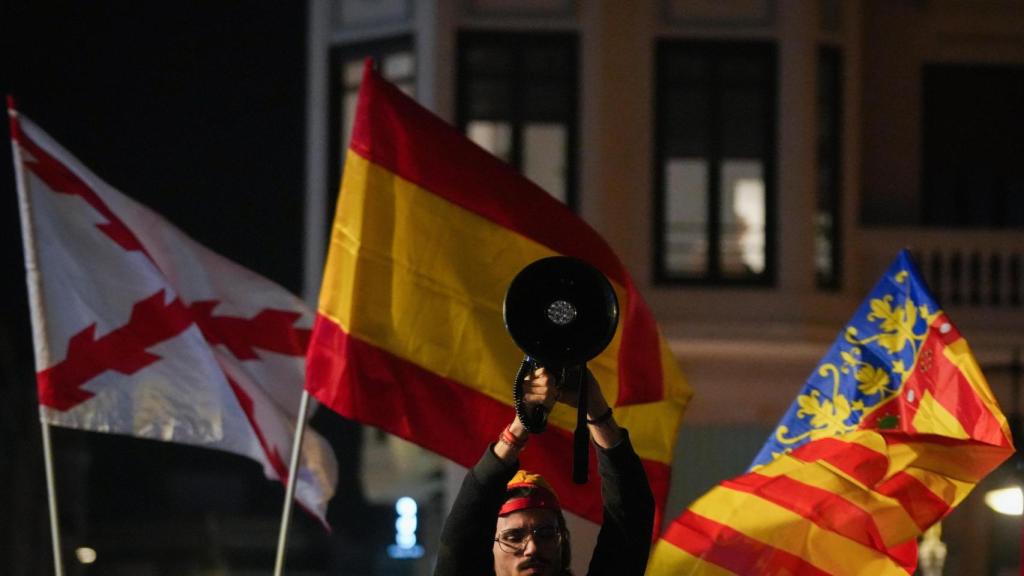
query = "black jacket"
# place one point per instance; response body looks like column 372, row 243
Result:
column 623, row 543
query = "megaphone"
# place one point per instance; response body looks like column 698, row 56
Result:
column 561, row 312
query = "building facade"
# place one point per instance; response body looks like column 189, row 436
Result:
column 756, row 164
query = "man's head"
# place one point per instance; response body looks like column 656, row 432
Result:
column 530, row 536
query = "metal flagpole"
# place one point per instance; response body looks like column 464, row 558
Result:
column 51, row 495
column 313, row 246
column 289, row 489
column 32, row 276
column 316, row 203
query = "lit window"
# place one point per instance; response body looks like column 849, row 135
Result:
column 715, row 118
column 517, row 100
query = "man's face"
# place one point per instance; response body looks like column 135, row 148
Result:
column 530, row 543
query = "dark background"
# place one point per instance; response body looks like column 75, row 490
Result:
column 196, row 109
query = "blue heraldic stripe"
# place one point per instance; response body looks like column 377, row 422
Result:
column 866, row 365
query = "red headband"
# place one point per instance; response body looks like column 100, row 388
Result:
column 539, row 497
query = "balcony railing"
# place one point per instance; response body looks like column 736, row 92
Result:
column 968, row 270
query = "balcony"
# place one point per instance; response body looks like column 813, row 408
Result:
column 976, row 275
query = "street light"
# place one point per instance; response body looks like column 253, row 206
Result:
column 1008, row 500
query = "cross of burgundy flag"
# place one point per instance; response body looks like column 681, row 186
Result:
column 140, row 330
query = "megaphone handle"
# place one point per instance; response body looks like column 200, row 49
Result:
column 581, row 437
column 536, row 421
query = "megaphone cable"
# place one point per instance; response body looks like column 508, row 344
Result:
column 536, row 422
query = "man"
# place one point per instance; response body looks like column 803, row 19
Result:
column 508, row 522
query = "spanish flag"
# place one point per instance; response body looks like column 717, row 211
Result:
column 891, row 431
column 429, row 232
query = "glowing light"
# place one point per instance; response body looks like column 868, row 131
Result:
column 405, row 545
column 406, row 506
column 750, row 209
column 1009, row 501
column 85, row 555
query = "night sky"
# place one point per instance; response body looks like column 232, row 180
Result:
column 193, row 108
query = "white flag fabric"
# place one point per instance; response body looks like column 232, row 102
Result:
column 140, row 330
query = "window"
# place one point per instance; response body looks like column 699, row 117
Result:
column 826, row 216
column 715, row 140
column 517, row 99
column 396, row 62
column 972, row 123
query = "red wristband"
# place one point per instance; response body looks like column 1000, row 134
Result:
column 513, row 441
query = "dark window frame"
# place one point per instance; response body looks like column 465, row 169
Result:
column 829, row 153
column 712, row 51
column 339, row 56
column 513, row 40
column 964, row 146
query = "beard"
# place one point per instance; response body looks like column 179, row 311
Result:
column 543, row 566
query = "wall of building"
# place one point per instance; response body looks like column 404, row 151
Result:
column 899, row 38
column 746, row 351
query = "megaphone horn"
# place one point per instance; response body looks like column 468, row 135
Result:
column 561, row 312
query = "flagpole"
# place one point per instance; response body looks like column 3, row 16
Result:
column 289, row 487
column 51, row 496
column 32, row 276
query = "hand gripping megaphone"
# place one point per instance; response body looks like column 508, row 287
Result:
column 561, row 312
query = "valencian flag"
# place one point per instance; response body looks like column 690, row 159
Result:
column 430, row 230
column 139, row 330
column 892, row 430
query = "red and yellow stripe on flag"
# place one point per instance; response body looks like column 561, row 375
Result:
column 891, row 431
column 429, row 232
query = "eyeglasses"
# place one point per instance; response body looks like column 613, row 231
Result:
column 514, row 540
